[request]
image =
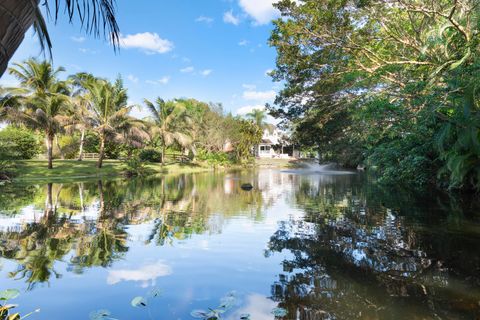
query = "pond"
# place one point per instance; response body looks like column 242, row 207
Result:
column 298, row 246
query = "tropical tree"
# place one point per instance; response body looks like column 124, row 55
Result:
column 97, row 17
column 108, row 105
column 258, row 116
column 42, row 100
column 166, row 117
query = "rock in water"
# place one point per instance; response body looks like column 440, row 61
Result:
column 247, row 186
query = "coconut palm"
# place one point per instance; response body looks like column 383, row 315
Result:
column 165, row 120
column 258, row 116
column 109, row 112
column 81, row 120
column 41, row 102
column 96, row 17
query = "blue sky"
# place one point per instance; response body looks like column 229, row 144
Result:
column 211, row 50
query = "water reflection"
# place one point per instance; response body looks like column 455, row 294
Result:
column 356, row 254
column 320, row 246
column 86, row 223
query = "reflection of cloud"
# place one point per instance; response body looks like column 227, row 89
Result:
column 257, row 306
column 145, row 274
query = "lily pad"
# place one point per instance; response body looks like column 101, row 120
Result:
column 200, row 314
column 100, row 315
column 9, row 294
column 154, row 293
column 139, row 302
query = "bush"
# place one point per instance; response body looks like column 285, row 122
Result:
column 215, row 158
column 150, row 155
column 134, row 166
column 70, row 146
column 18, row 143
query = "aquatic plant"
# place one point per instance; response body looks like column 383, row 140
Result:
column 6, row 308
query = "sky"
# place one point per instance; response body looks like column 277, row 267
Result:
column 210, row 50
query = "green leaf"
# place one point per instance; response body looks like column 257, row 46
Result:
column 9, row 294
column 139, row 302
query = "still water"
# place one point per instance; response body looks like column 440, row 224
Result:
column 313, row 246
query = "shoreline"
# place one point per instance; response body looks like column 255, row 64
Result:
column 27, row 171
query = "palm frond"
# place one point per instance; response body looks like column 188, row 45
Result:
column 97, row 17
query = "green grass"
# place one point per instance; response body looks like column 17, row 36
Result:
column 71, row 170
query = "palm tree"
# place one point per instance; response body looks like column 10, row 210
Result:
column 44, row 100
column 81, row 120
column 109, row 109
column 258, row 116
column 97, row 17
column 166, row 118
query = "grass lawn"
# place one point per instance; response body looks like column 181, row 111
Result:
column 277, row 163
column 70, row 170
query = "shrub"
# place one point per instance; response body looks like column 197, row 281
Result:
column 215, row 158
column 150, row 155
column 134, row 166
column 18, row 143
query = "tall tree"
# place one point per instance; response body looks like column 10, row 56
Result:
column 258, row 116
column 166, row 118
column 44, row 100
column 96, row 17
column 108, row 105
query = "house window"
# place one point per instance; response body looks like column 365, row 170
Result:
column 265, row 149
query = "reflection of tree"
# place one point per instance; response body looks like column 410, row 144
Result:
column 352, row 258
column 86, row 224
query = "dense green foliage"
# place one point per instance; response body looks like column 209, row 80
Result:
column 87, row 114
column 18, row 143
column 388, row 83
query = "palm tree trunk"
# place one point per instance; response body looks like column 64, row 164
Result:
column 82, row 142
column 16, row 17
column 102, row 151
column 49, row 142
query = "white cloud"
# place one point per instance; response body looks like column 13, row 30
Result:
column 250, row 87
column 148, row 42
column 206, row 72
column 146, row 274
column 261, row 11
column 229, row 17
column 263, row 96
column 248, row 109
column 164, row 80
column 204, row 19
column 243, row 43
column 257, row 306
column 87, row 51
column 268, row 71
column 78, row 39
column 132, row 78
column 187, row 70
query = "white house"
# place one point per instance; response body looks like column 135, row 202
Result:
column 271, row 139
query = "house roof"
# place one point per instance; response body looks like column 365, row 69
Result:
column 266, row 141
